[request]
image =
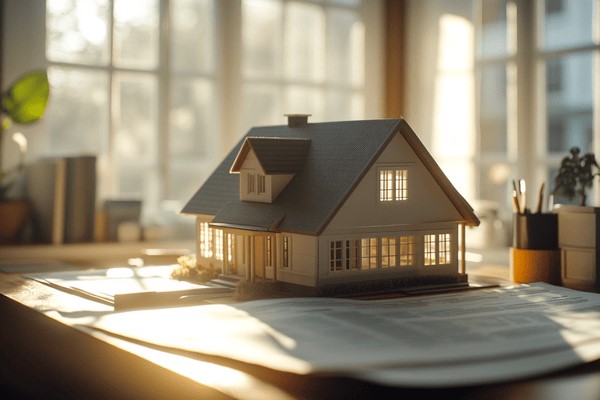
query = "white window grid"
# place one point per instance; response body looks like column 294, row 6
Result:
column 157, row 166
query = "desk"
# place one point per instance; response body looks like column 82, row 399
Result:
column 44, row 358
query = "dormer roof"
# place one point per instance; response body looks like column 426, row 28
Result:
column 276, row 155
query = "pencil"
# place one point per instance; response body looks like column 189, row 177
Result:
column 541, row 198
column 523, row 196
column 515, row 199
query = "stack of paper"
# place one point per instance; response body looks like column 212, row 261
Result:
column 462, row 338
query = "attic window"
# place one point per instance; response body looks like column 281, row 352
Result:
column 393, row 184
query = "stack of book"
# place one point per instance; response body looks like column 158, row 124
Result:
column 62, row 193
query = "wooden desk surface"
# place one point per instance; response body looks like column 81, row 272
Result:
column 41, row 357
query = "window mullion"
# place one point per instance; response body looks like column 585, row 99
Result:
column 164, row 98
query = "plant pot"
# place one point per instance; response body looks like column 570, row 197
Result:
column 13, row 217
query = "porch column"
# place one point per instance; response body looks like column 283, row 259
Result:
column 274, row 256
column 251, row 261
column 225, row 253
column 463, row 252
column 197, row 241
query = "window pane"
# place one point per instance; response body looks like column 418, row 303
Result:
column 302, row 99
column 304, row 42
column 136, row 117
column 344, row 105
column 77, row 117
column 568, row 23
column 192, row 119
column 76, row 31
column 262, row 105
column 140, row 182
column 345, row 2
column 494, row 32
column 136, row 33
column 345, row 48
column 261, row 38
column 192, row 35
column 569, row 103
column 493, row 102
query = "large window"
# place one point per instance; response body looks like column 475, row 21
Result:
column 510, row 87
column 160, row 90
column 375, row 252
column 535, row 64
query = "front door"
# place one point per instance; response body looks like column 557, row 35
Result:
column 259, row 256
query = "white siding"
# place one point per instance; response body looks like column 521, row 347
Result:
column 426, row 203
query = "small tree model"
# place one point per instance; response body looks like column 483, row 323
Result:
column 575, row 175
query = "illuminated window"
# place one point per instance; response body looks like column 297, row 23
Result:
column 388, row 252
column 393, row 185
column 430, row 250
column 206, row 240
column 368, row 253
column 444, row 249
column 230, row 246
column 218, row 244
column 285, row 252
column 438, row 249
column 406, row 251
column 269, row 251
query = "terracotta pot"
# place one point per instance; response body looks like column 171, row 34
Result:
column 13, row 216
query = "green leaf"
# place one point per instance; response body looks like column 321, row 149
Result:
column 26, row 100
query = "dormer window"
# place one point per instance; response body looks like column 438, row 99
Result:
column 251, row 182
column 261, row 185
column 393, row 184
column 267, row 164
column 256, row 183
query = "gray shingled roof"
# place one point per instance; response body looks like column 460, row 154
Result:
column 277, row 155
column 339, row 155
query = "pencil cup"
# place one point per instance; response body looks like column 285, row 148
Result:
column 535, row 256
column 535, row 231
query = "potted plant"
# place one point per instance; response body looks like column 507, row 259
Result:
column 576, row 175
column 23, row 103
column 578, row 224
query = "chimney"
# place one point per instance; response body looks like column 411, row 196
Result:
column 297, row 120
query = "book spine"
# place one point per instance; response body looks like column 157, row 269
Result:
column 80, row 202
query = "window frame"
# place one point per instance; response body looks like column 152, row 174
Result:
column 399, row 191
column 227, row 79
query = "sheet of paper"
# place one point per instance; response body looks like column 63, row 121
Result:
column 461, row 338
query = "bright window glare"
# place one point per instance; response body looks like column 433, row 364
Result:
column 453, row 138
column 161, row 98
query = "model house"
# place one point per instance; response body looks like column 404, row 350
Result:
column 337, row 203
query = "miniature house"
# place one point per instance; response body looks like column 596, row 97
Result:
column 318, row 204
